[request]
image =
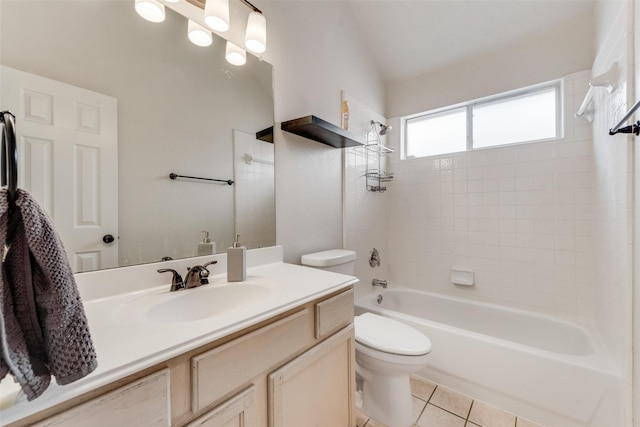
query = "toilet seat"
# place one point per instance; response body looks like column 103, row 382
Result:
column 390, row 336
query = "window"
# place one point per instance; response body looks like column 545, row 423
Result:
column 437, row 133
column 526, row 115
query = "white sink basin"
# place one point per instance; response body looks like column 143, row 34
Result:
column 191, row 305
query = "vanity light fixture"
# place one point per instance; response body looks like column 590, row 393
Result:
column 199, row 35
column 235, row 55
column 256, row 35
column 151, row 10
column 216, row 15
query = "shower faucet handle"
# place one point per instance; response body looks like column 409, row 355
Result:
column 374, row 258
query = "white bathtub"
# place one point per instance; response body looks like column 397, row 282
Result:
column 551, row 371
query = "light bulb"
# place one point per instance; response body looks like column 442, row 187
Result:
column 216, row 15
column 199, row 35
column 151, row 10
column 235, row 55
column 256, row 35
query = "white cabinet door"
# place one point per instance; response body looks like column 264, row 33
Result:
column 316, row 389
column 239, row 411
column 68, row 160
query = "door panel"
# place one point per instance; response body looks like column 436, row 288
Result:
column 68, row 160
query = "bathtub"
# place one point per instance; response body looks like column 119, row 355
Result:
column 551, row 371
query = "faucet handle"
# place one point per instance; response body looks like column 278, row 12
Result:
column 204, row 275
column 176, row 281
column 374, row 258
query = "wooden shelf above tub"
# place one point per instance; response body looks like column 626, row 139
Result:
column 319, row 130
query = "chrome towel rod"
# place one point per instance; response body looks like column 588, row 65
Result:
column 634, row 128
column 175, row 176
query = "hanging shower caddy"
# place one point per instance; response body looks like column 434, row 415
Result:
column 375, row 151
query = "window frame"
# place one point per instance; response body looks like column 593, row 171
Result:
column 556, row 85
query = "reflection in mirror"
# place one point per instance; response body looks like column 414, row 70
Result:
column 103, row 91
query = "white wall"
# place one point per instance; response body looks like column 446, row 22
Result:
column 613, row 175
column 165, row 124
column 254, row 188
column 636, row 232
column 523, row 63
column 315, row 53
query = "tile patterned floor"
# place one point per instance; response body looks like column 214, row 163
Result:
column 437, row 406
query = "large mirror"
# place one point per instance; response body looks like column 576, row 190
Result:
column 142, row 102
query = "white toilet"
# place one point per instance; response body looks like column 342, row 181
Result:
column 387, row 352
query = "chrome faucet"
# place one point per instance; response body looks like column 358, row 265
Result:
column 196, row 276
column 379, row 282
column 176, row 282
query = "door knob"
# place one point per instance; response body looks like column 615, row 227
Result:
column 108, row 238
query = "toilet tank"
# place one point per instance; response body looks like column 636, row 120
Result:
column 336, row 260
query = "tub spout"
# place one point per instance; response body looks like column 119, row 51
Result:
column 379, row 282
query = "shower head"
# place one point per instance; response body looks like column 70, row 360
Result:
column 384, row 129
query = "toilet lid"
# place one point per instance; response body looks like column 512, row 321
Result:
column 390, row 336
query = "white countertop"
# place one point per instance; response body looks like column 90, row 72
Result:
column 126, row 342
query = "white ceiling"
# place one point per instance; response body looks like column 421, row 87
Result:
column 410, row 38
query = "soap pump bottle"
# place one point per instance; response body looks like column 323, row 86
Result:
column 344, row 115
column 236, row 262
column 206, row 247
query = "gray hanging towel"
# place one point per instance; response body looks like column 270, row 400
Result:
column 43, row 328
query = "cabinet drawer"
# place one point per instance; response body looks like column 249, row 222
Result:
column 225, row 368
column 333, row 314
column 146, row 401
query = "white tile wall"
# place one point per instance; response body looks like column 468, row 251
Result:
column 254, row 192
column 613, row 201
column 612, row 229
column 365, row 212
column 612, row 216
column 520, row 217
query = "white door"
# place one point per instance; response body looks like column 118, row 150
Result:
column 68, row 160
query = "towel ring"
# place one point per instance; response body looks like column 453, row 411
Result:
column 9, row 174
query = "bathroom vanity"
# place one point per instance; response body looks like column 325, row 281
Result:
column 280, row 359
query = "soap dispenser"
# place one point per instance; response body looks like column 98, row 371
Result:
column 206, row 247
column 344, row 115
column 236, row 262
